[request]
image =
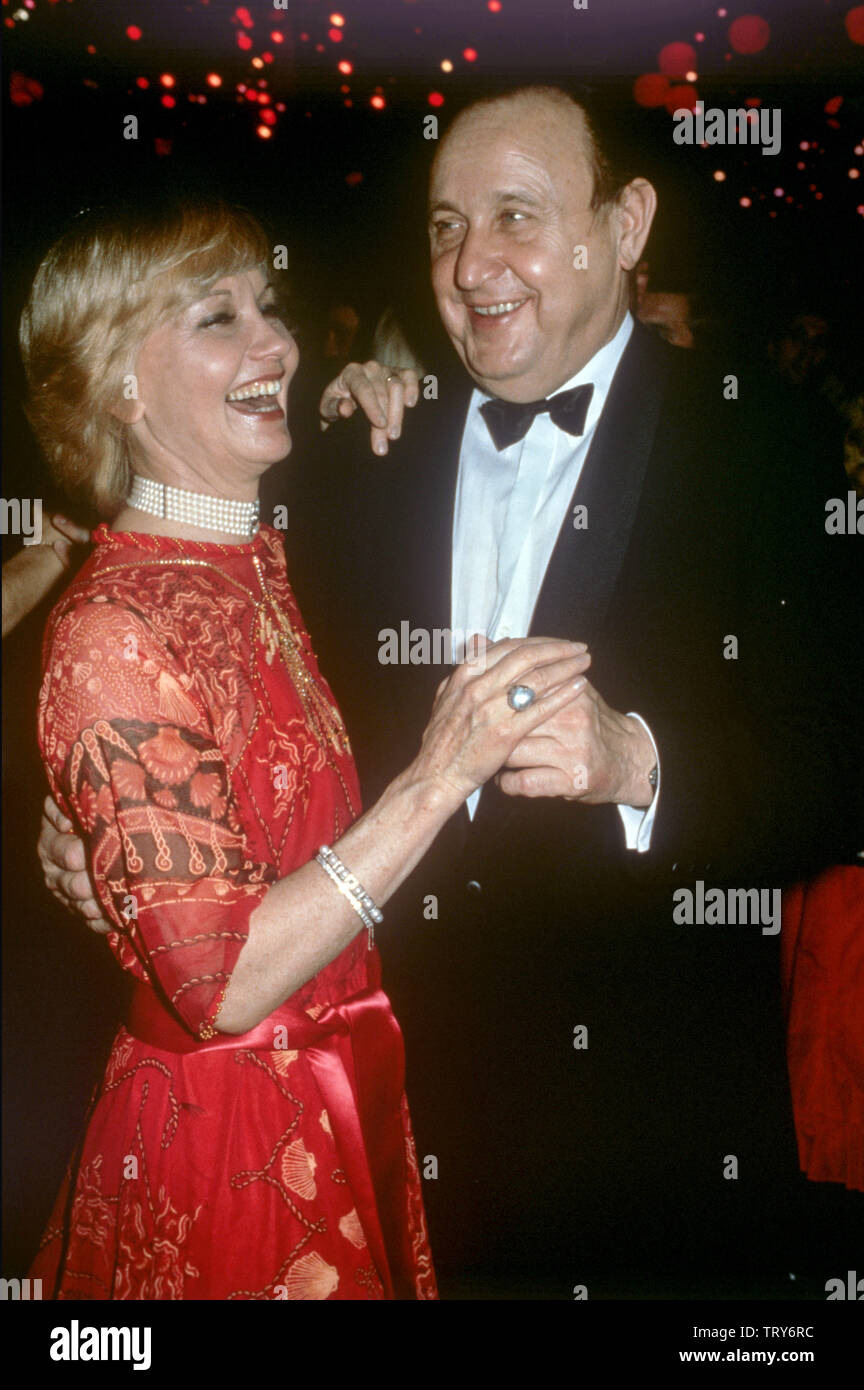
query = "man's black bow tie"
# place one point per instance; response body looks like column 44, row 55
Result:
column 509, row 421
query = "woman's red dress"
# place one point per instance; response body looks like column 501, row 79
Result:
column 203, row 759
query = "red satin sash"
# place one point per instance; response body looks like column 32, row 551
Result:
column 357, row 1057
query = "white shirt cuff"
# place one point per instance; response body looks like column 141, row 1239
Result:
column 638, row 821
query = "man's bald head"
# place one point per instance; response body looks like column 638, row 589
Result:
column 571, row 117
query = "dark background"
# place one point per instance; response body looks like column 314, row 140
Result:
column 342, row 186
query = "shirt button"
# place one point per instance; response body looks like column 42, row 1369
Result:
column 474, row 888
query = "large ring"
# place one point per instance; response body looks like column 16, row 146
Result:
column 394, row 376
column 520, row 696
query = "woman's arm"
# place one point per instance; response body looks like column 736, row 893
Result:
column 251, row 941
column 304, row 922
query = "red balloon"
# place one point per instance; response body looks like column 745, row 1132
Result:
column 681, row 99
column 855, row 24
column 749, row 34
column 651, row 89
column 677, row 59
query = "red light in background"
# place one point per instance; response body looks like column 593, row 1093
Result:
column 749, row 33
column 651, row 89
column 676, row 59
column 133, row 33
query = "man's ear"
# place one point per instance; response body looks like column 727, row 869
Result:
column 634, row 213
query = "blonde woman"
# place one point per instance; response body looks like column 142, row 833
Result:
column 250, row 1138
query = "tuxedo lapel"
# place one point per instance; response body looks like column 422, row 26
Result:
column 585, row 564
column 430, row 497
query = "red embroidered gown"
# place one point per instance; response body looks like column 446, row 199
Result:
column 203, row 759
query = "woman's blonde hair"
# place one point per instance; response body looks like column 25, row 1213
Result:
column 109, row 280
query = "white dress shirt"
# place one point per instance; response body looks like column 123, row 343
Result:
column 509, row 510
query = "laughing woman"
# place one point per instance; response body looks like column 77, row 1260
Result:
column 250, row 1138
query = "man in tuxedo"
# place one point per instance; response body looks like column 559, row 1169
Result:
column 603, row 1087
column 598, row 1089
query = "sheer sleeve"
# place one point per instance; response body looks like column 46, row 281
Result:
column 131, row 757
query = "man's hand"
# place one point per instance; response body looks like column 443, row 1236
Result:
column 64, row 864
column 586, row 752
column 34, row 571
column 381, row 392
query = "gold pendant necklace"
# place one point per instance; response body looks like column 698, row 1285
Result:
column 278, row 636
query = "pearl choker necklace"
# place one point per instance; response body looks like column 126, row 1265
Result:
column 193, row 508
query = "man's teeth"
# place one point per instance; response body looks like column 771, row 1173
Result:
column 494, row 309
column 254, row 390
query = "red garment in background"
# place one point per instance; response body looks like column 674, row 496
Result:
column 199, row 774
column 823, row 989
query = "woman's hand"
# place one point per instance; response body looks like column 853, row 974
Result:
column 381, row 392
column 473, row 730
column 64, row 864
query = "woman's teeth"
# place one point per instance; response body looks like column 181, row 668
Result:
column 254, row 390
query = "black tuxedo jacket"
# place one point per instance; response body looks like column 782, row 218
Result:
column 717, row 608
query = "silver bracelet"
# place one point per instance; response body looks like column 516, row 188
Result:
column 351, row 889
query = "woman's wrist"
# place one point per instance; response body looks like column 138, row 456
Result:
column 430, row 797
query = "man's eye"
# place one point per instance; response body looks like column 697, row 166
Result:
column 512, row 215
column 441, row 228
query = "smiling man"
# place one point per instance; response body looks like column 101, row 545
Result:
column 574, row 1064
column 516, row 191
column 579, row 1064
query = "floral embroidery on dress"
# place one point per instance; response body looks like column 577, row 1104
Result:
column 193, row 769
